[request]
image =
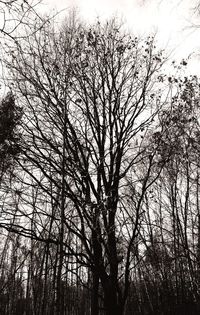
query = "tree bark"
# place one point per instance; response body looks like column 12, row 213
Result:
column 95, row 294
column 112, row 302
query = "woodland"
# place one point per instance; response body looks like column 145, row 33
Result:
column 99, row 171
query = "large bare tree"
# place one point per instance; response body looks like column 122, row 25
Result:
column 90, row 97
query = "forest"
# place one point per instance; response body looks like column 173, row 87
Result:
column 99, row 171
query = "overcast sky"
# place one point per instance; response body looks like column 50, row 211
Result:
column 170, row 19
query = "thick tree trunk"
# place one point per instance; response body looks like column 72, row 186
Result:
column 112, row 301
column 95, row 295
column 96, row 270
column 112, row 294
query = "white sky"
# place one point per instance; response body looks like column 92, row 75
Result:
column 171, row 20
column 168, row 18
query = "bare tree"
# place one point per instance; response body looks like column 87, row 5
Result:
column 90, row 95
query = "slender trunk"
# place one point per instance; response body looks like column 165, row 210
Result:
column 198, row 226
column 60, row 298
column 60, row 295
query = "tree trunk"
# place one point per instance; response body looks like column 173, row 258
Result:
column 95, row 294
column 112, row 302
